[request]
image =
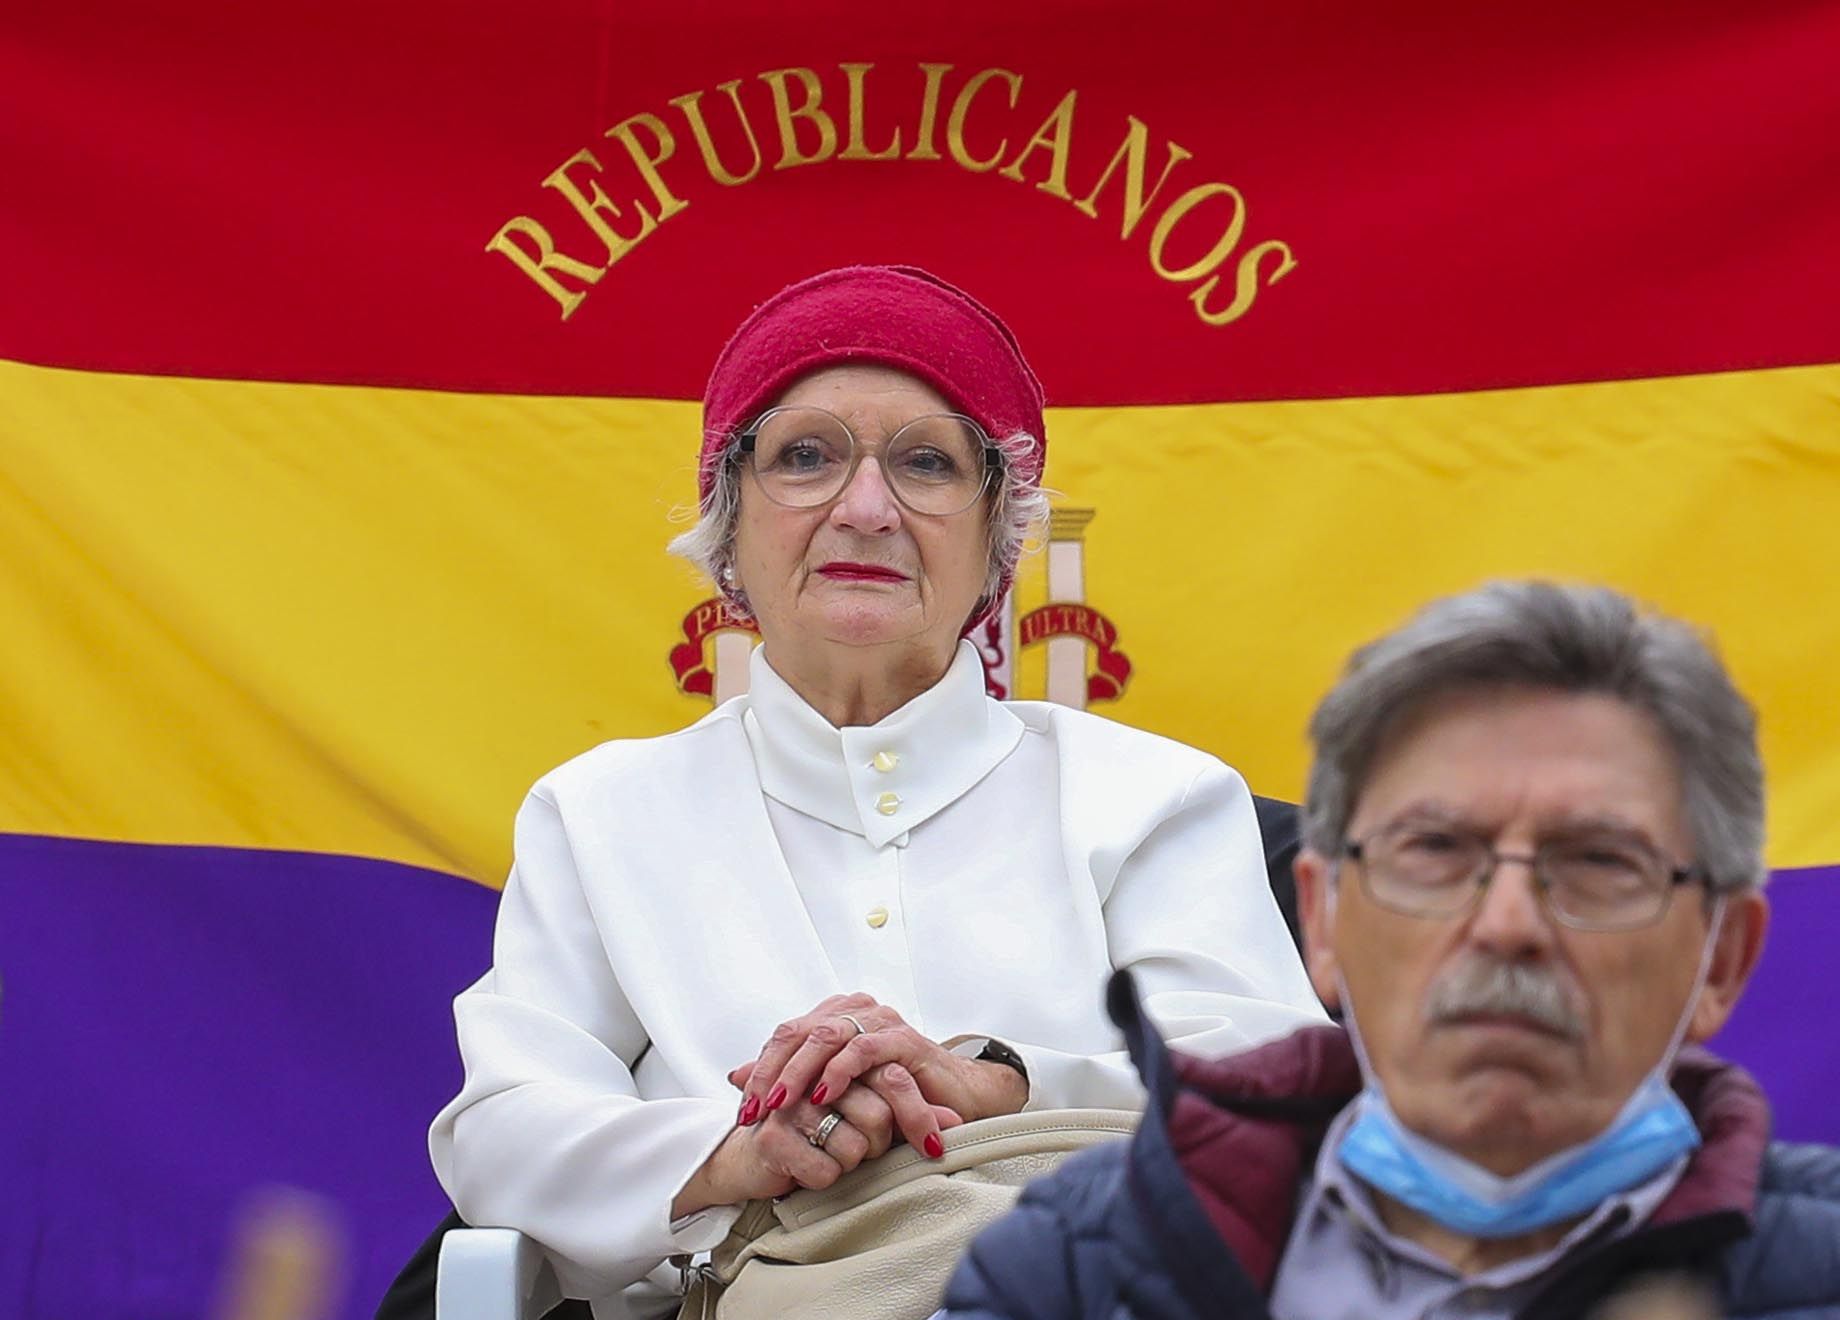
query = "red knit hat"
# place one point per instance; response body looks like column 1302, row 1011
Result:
column 894, row 316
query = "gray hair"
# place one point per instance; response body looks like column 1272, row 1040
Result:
column 1018, row 507
column 1565, row 638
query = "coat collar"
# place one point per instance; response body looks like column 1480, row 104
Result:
column 1733, row 1118
column 878, row 780
column 1231, row 1139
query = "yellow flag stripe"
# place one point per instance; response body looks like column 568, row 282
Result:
column 362, row 620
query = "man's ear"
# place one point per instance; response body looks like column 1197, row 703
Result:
column 1734, row 958
column 1316, row 912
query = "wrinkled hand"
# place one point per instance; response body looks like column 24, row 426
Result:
column 821, row 1054
column 882, row 1106
column 774, row 1155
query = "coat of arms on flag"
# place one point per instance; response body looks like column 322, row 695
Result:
column 1084, row 663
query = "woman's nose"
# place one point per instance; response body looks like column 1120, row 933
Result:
column 866, row 504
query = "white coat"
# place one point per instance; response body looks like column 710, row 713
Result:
column 673, row 899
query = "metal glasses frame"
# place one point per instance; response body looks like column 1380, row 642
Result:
column 1356, row 851
column 993, row 458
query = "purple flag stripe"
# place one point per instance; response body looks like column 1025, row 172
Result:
column 182, row 1027
column 1783, row 1031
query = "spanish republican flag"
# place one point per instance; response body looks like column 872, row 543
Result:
column 347, row 365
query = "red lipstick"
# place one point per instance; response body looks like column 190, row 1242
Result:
column 845, row 570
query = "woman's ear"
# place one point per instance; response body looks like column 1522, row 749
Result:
column 1316, row 913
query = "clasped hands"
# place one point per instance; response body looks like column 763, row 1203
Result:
column 837, row 1086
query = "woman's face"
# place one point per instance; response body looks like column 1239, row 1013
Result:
column 861, row 570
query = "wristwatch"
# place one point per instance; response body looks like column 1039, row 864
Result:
column 985, row 1050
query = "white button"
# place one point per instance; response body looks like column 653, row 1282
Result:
column 877, row 917
column 888, row 804
column 886, row 761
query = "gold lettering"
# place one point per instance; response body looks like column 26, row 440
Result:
column 1132, row 151
column 783, row 109
column 650, row 143
column 693, row 114
column 648, row 163
column 961, row 105
column 929, row 112
column 1246, row 283
column 856, row 150
column 1182, row 205
column 590, row 206
column 546, row 260
column 1061, row 121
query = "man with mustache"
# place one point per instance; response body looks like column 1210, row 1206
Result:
column 1531, row 883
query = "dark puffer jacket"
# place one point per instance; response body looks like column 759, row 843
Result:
column 1189, row 1218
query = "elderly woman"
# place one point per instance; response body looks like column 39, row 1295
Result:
column 910, row 892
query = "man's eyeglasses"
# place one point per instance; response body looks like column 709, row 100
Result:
column 804, row 457
column 1593, row 880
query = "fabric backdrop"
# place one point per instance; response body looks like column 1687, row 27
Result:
column 348, row 358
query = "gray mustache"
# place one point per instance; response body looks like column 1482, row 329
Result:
column 1483, row 986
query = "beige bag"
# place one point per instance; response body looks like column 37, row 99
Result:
column 880, row 1243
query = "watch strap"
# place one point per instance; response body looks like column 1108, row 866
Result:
column 995, row 1051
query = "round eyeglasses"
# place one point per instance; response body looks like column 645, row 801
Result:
column 1594, row 880
column 803, row 457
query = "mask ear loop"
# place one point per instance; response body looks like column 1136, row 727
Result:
column 1369, row 1078
column 1719, row 909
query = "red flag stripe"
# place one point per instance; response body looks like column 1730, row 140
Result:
column 1567, row 192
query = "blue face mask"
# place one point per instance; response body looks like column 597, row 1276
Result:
column 1650, row 1132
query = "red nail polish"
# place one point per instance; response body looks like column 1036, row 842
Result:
column 933, row 1146
column 818, row 1093
column 777, row 1096
column 750, row 1110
